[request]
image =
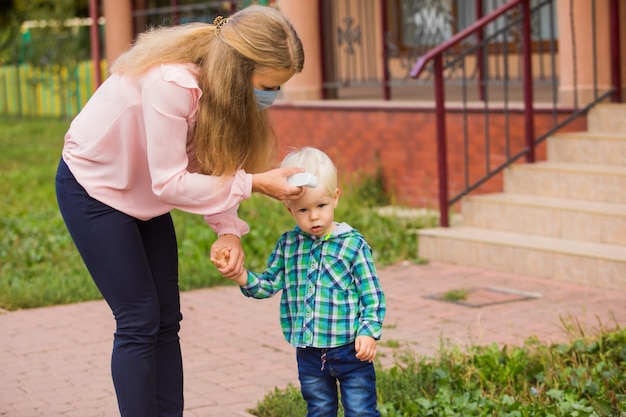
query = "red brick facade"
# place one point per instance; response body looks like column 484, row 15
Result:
column 403, row 143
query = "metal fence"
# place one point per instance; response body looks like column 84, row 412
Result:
column 357, row 33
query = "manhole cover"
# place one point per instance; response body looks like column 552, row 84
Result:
column 483, row 296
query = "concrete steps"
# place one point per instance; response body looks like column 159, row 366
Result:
column 562, row 219
column 546, row 216
column 588, row 263
column 582, row 148
column 595, row 182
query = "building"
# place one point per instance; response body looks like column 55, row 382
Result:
column 457, row 129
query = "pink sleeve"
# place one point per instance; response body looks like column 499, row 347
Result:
column 168, row 106
column 227, row 222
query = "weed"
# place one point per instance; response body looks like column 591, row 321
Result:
column 390, row 343
column 456, row 295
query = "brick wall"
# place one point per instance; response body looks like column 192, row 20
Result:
column 402, row 142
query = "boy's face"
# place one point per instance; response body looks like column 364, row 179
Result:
column 314, row 212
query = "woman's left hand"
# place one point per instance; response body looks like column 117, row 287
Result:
column 231, row 266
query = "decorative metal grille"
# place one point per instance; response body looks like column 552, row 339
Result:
column 413, row 27
column 426, row 23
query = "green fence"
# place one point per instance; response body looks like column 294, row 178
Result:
column 58, row 92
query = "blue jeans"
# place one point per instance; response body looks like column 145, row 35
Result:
column 134, row 264
column 357, row 382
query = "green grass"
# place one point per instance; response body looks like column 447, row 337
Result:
column 39, row 262
column 40, row 265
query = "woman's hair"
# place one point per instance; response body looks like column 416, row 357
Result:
column 231, row 133
column 317, row 163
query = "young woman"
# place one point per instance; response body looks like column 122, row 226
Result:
column 178, row 124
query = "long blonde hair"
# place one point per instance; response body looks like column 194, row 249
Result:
column 230, row 133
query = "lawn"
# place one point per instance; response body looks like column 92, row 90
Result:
column 40, row 265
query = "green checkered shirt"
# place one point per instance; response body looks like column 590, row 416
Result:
column 330, row 288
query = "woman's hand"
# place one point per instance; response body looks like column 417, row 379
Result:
column 227, row 255
column 274, row 184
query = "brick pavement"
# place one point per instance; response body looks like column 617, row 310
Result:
column 55, row 360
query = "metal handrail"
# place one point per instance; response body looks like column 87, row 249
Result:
column 435, row 56
column 480, row 24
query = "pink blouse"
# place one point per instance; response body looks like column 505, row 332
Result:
column 130, row 148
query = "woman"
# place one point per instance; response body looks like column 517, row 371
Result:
column 178, row 124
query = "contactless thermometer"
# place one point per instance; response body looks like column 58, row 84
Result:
column 303, row 179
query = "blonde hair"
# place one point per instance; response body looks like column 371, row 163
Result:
column 230, row 132
column 317, row 163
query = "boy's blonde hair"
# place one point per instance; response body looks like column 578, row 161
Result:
column 317, row 163
column 230, row 133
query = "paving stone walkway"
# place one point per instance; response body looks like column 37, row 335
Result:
column 55, row 360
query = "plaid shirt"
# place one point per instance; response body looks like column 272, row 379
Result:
column 330, row 289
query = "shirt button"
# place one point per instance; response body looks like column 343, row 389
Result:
column 313, row 264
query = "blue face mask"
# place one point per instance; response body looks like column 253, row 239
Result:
column 265, row 98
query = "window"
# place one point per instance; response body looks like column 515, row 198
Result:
column 423, row 24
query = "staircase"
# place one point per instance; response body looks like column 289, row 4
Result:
column 562, row 219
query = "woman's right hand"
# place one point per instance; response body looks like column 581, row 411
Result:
column 274, row 184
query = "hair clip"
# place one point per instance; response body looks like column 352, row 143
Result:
column 219, row 22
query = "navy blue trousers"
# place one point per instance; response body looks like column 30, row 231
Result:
column 134, row 264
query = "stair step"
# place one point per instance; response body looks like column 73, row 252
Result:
column 567, row 180
column 607, row 118
column 546, row 216
column 588, row 148
column 587, row 263
column 563, row 219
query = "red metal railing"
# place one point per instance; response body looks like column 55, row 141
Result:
column 435, row 57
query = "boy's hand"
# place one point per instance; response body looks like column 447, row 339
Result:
column 227, row 255
column 365, row 347
column 221, row 258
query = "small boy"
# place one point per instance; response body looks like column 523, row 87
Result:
column 332, row 306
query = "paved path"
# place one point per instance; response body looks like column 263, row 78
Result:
column 54, row 361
